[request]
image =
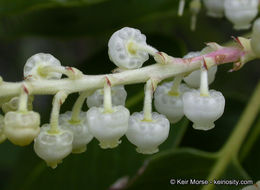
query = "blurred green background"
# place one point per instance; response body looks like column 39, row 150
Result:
column 76, row 32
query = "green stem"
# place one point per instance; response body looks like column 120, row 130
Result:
column 148, row 101
column 250, row 142
column 204, row 86
column 23, row 100
column 175, row 90
column 70, row 72
column 232, row 146
column 107, row 97
column 58, row 100
column 78, row 106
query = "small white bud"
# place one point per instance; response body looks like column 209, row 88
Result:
column 22, row 127
column 215, row 8
column 53, row 148
column 167, row 104
column 193, row 79
column 118, row 94
column 34, row 64
column 121, row 48
column 203, row 111
column 2, row 134
column 108, row 128
column 79, row 129
column 147, row 135
column 241, row 12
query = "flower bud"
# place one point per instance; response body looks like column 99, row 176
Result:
column 121, row 49
column 34, row 64
column 21, row 127
column 147, row 135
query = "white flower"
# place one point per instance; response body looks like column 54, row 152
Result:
column 53, row 148
column 193, row 79
column 203, row 111
column 241, row 12
column 34, row 64
column 118, row 97
column 80, row 131
column 167, row 104
column 147, row 135
column 127, row 48
column 215, row 8
column 108, row 128
column 21, row 127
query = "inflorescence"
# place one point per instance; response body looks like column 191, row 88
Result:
column 107, row 119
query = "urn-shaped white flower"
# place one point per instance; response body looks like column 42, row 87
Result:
column 53, row 147
column 147, row 135
column 203, row 111
column 21, row 127
column 79, row 129
column 170, row 104
column 241, row 12
column 108, row 127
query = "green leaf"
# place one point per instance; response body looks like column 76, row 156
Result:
column 81, row 20
column 182, row 164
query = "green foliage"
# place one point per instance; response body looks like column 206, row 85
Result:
column 61, row 22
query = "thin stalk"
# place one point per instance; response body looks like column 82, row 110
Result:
column 148, row 100
column 133, row 47
column 23, row 99
column 68, row 71
column 107, row 97
column 175, row 90
column 204, row 86
column 58, row 100
column 230, row 150
column 77, row 107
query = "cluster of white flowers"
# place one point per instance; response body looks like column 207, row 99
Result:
column 240, row 12
column 107, row 119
